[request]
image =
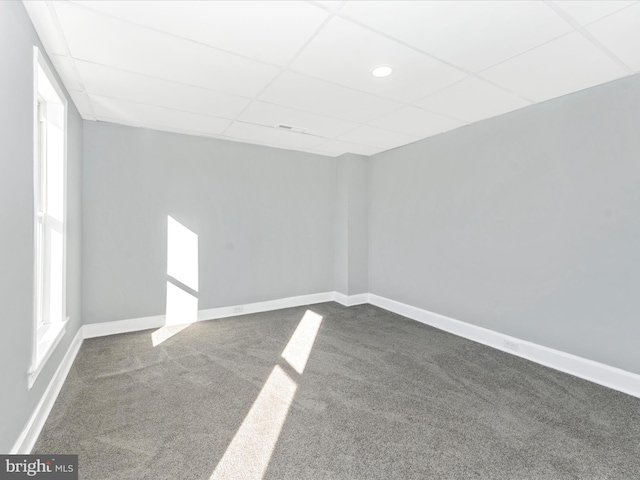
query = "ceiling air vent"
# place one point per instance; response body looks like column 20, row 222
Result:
column 291, row 128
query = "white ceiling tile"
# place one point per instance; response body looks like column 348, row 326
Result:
column 470, row 34
column 329, row 4
column 81, row 101
column 43, row 21
column 414, row 74
column 272, row 136
column 377, row 137
column 565, row 65
column 64, row 66
column 112, row 82
column 415, row 121
column 587, row 11
column 304, row 93
column 620, row 33
column 148, row 115
column 269, row 31
column 471, row 100
column 270, row 115
column 338, row 147
column 105, row 40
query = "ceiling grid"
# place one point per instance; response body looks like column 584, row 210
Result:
column 238, row 70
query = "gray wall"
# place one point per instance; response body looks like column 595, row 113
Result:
column 341, row 227
column 352, row 225
column 527, row 224
column 264, row 219
column 17, row 402
column 358, row 174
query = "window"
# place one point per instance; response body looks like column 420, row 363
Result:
column 50, row 121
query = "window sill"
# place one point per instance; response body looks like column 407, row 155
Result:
column 48, row 338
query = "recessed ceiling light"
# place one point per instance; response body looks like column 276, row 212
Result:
column 382, row 71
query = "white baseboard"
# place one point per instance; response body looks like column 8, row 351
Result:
column 222, row 312
column 350, row 300
column 596, row 372
column 27, row 439
column 144, row 323
column 91, row 330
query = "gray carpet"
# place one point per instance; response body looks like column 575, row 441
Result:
column 381, row 397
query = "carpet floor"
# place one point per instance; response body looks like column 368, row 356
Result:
column 372, row 395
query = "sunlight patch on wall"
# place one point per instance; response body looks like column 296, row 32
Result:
column 182, row 267
column 182, row 254
column 182, row 307
column 182, row 311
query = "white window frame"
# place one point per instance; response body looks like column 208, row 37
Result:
column 46, row 335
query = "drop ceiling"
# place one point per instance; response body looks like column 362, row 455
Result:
column 238, row 70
